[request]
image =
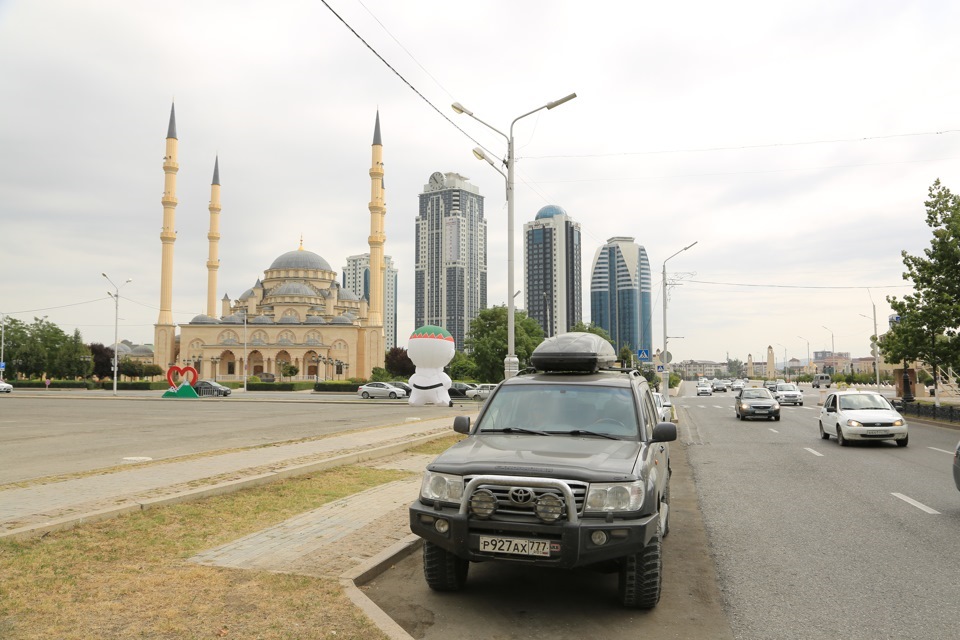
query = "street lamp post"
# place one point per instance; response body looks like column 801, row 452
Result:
column 116, row 324
column 316, row 369
column 216, row 363
column 511, row 364
column 3, row 330
column 786, row 374
column 833, row 348
column 666, row 365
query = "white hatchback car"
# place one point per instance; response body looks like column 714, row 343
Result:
column 5, row 387
column 861, row 415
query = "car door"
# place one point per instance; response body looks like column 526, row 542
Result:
column 828, row 418
column 658, row 453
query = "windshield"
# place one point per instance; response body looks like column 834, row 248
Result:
column 561, row 409
column 863, row 401
column 755, row 394
column 786, row 387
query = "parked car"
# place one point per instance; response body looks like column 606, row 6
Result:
column 482, row 391
column 788, row 393
column 565, row 467
column 756, row 402
column 704, row 389
column 403, row 385
column 664, row 406
column 458, row 389
column 267, row 377
column 861, row 415
column 5, row 387
column 380, row 390
column 209, row 389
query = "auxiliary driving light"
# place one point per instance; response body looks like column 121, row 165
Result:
column 549, row 507
column 442, row 526
column 483, row 503
column 599, row 538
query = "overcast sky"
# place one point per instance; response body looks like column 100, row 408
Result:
column 793, row 141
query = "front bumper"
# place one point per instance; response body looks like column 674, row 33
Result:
column 874, row 433
column 751, row 412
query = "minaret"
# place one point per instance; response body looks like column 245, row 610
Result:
column 377, row 237
column 164, row 330
column 213, row 262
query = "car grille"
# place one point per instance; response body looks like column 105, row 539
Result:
column 761, row 407
column 507, row 508
column 882, row 423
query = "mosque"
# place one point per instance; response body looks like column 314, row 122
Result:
column 296, row 314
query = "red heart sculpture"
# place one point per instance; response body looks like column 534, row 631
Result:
column 182, row 371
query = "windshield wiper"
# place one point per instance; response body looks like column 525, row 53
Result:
column 584, row 432
column 515, row 430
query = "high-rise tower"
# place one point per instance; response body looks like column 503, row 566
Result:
column 551, row 270
column 356, row 278
column 165, row 330
column 450, row 255
column 213, row 261
column 620, row 293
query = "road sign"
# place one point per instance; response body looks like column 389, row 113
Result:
column 643, row 355
column 3, row 365
column 660, row 368
column 667, row 356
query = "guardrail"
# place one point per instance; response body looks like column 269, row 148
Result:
column 945, row 412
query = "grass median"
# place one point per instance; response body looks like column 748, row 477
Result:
column 130, row 576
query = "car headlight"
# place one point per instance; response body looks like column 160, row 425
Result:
column 898, row 423
column 441, row 486
column 776, row 405
column 853, row 423
column 614, row 496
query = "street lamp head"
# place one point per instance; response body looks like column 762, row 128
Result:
column 459, row 108
column 557, row 103
column 479, row 154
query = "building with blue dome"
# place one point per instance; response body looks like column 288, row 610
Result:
column 552, row 270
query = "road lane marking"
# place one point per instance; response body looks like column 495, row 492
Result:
column 774, row 430
column 918, row 505
column 942, row 450
column 816, row 453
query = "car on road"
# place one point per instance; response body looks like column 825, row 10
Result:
column 718, row 385
column 5, row 387
column 482, row 391
column 566, row 466
column 756, row 402
column 861, row 415
column 211, row 389
column 788, row 393
column 771, row 385
column 704, row 389
column 380, row 390
column 664, row 406
column 821, row 380
column 736, row 385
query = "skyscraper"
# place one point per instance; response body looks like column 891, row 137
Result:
column 620, row 293
column 451, row 255
column 356, row 278
column 551, row 270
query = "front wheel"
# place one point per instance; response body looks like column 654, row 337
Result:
column 903, row 443
column 823, row 434
column 840, row 439
column 444, row 571
column 365, row 395
column 641, row 576
column 777, row 418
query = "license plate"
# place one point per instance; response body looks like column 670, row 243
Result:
column 760, row 411
column 515, row 546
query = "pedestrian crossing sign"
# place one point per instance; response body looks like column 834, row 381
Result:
column 660, row 368
column 644, row 355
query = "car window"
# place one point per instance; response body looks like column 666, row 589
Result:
column 755, row 393
column 862, row 401
column 562, row 408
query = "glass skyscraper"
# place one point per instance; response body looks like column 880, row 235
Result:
column 551, row 270
column 620, row 293
column 356, row 278
column 451, row 255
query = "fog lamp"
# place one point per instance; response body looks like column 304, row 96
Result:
column 442, row 526
column 549, row 507
column 483, row 503
column 599, row 538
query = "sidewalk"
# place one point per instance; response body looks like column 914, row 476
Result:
column 34, row 510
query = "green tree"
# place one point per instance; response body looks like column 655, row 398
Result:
column 290, row 370
column 487, row 341
column 592, row 328
column 398, row 363
column 929, row 316
column 380, row 374
column 130, row 368
column 102, row 360
column 462, row 367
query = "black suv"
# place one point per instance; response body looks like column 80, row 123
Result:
column 566, row 466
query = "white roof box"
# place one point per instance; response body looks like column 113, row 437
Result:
column 574, row 351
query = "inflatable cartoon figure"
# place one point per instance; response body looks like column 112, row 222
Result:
column 431, row 349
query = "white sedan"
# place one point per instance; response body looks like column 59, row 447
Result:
column 5, row 387
column 380, row 390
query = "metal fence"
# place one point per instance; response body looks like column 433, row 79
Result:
column 945, row 412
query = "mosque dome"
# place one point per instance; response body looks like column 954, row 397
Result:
column 293, row 289
column 550, row 211
column 232, row 319
column 301, row 259
column 315, row 320
column 346, row 294
column 142, row 350
column 288, row 320
column 344, row 319
column 262, row 320
column 204, row 319
column 123, row 348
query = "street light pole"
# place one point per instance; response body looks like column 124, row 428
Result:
column 666, row 365
column 116, row 324
column 833, row 348
column 786, row 374
column 511, row 364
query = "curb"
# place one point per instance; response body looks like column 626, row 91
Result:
column 352, row 580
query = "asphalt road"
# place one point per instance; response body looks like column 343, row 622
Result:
column 800, row 538
column 48, row 433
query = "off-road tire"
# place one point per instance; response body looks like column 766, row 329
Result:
column 641, row 576
column 444, row 571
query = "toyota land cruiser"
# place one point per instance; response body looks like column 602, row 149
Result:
column 565, row 466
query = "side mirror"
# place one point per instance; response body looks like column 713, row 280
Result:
column 831, row 409
column 663, row 432
column 461, row 424
column 897, row 404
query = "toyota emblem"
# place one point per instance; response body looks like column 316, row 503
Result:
column 521, row 495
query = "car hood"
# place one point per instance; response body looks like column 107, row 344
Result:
column 867, row 416
column 589, row 459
